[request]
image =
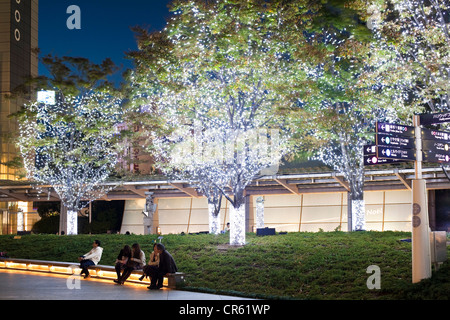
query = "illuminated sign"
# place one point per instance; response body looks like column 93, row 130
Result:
column 395, row 129
column 394, row 153
column 46, row 96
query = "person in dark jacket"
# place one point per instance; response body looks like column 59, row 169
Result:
column 152, row 263
column 166, row 265
column 135, row 262
column 122, row 260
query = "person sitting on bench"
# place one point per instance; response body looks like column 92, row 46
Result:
column 91, row 258
column 166, row 265
column 135, row 262
column 152, row 263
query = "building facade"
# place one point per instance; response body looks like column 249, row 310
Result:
column 309, row 212
column 18, row 61
column 299, row 202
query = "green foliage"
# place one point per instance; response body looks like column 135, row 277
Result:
column 417, row 31
column 106, row 216
column 71, row 76
column 48, row 209
column 325, row 265
column 49, row 224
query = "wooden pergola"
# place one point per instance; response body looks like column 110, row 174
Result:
column 288, row 183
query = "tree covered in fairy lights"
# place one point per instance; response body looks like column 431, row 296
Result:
column 345, row 92
column 213, row 78
column 403, row 69
column 323, row 68
column 70, row 144
column 351, row 102
column 418, row 32
column 229, row 88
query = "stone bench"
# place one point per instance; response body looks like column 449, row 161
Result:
column 171, row 280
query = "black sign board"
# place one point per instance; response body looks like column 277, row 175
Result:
column 395, row 141
column 395, row 129
column 395, row 153
column 371, row 160
column 434, row 118
column 436, row 146
column 435, row 135
column 438, row 157
column 370, row 149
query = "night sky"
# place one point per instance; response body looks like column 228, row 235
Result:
column 105, row 28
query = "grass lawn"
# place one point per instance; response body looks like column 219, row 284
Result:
column 322, row 265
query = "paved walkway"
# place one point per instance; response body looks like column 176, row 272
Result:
column 23, row 285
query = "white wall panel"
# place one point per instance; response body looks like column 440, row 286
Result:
column 398, row 196
column 282, row 215
column 374, row 226
column 279, row 201
column 374, row 212
column 321, row 214
column 390, row 210
column 373, row 197
column 398, row 212
column 322, row 199
column 398, row 226
column 132, row 220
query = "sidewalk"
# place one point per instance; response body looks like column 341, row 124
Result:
column 23, row 285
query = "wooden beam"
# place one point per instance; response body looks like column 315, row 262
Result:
column 403, row 179
column 118, row 196
column 139, row 192
column 16, row 196
column 189, row 191
column 341, row 181
column 291, row 187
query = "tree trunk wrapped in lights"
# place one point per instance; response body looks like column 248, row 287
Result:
column 259, row 217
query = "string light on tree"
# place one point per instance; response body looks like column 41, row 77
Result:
column 215, row 97
column 70, row 146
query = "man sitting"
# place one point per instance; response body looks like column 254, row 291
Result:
column 91, row 258
column 166, row 265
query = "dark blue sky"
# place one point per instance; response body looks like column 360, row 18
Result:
column 105, row 27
